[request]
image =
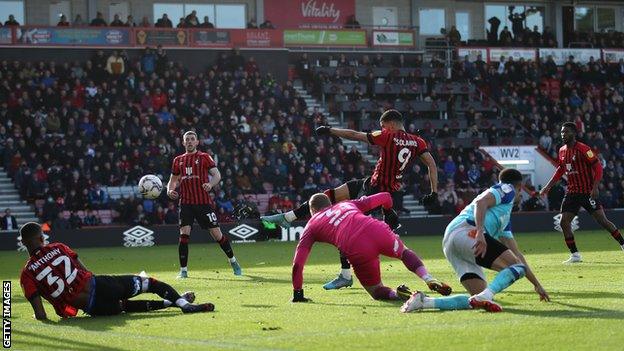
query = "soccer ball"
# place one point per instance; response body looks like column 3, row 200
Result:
column 150, row 186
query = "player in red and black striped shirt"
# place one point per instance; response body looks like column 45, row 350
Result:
column 197, row 174
column 398, row 150
column 54, row 272
column 584, row 172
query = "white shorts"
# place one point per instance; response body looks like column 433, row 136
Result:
column 457, row 247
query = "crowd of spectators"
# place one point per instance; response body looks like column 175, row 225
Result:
column 69, row 130
column 541, row 96
column 190, row 21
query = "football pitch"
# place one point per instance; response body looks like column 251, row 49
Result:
column 253, row 312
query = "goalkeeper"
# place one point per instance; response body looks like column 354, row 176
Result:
column 398, row 149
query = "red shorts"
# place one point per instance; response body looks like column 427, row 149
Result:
column 363, row 251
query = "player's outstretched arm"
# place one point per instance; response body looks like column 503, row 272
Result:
column 513, row 246
column 342, row 133
column 553, row 180
column 37, row 306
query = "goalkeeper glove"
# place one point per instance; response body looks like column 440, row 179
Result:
column 298, row 296
column 392, row 219
column 430, row 199
column 323, row 130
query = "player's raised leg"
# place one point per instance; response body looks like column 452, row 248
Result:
column 602, row 219
column 226, row 246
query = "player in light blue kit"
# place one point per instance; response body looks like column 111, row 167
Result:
column 480, row 236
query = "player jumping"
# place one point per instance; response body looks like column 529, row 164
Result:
column 361, row 239
column 192, row 170
column 399, row 148
column 584, row 172
column 55, row 273
column 480, row 236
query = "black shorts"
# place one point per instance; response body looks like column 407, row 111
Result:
column 364, row 186
column 109, row 291
column 494, row 249
column 204, row 214
column 572, row 202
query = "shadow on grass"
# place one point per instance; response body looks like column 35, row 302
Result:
column 35, row 340
column 103, row 323
column 577, row 294
column 576, row 312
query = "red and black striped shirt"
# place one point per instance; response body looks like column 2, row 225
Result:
column 193, row 171
column 53, row 271
column 576, row 163
column 398, row 150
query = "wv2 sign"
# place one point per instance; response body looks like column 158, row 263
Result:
column 520, row 157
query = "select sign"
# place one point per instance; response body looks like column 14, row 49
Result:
column 243, row 231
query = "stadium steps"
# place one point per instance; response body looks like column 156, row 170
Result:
column 313, row 103
column 409, row 202
column 10, row 198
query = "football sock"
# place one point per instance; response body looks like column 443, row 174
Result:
column 183, row 249
column 506, row 277
column 232, row 259
column 163, row 290
column 571, row 245
column 617, row 236
column 290, row 216
column 385, row 293
column 344, row 262
column 346, row 273
column 300, row 212
column 454, row 302
column 181, row 302
column 226, row 247
column 414, row 264
column 143, row 305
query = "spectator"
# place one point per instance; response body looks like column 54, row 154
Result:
column 115, row 23
column 182, row 23
column 78, row 21
column 267, row 25
column 352, row 23
column 191, row 20
column 11, row 21
column 171, row 214
column 164, row 22
column 115, row 65
column 517, row 22
column 8, row 221
column 62, row 22
column 148, row 61
column 252, row 24
column 206, row 23
column 145, row 23
column 454, row 36
column 99, row 21
column 60, row 223
column 91, row 219
column 492, row 33
column 75, row 221
column 129, row 22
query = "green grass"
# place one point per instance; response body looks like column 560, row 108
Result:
column 253, row 312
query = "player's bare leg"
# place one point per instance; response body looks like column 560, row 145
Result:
column 226, row 246
column 185, row 235
column 602, row 219
column 566, row 227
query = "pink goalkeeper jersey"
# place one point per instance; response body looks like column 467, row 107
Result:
column 336, row 225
